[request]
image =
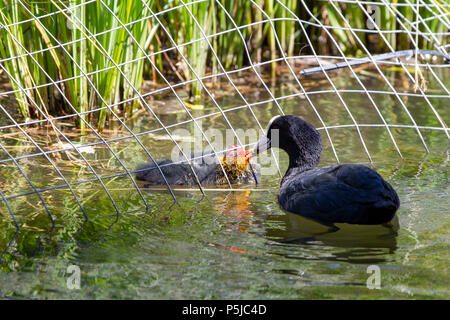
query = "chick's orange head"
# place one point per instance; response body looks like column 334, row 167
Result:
column 237, row 155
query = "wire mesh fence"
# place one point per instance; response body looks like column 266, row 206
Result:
column 73, row 80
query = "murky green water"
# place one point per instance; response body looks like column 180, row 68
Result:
column 236, row 244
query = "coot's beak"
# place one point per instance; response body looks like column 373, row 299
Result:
column 262, row 145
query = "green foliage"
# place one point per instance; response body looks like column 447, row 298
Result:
column 81, row 54
column 102, row 60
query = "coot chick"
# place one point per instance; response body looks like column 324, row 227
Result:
column 235, row 162
column 342, row 193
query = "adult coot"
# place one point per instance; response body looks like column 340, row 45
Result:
column 235, row 162
column 342, row 193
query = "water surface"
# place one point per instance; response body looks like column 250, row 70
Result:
column 234, row 244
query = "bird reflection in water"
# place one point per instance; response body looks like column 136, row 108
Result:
column 361, row 243
column 235, row 207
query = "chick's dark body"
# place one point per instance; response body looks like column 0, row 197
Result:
column 205, row 166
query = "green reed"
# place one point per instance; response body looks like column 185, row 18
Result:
column 83, row 54
column 197, row 52
column 387, row 18
column 230, row 46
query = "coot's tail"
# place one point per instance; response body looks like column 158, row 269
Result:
column 384, row 210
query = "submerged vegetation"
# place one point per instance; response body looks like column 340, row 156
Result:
column 82, row 57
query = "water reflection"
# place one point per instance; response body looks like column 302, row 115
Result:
column 230, row 244
column 237, row 206
column 363, row 244
column 295, row 237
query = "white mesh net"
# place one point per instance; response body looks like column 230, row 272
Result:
column 72, row 89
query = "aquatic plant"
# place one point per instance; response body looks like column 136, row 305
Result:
column 84, row 57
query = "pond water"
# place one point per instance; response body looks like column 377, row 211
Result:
column 235, row 244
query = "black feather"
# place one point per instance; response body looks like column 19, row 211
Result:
column 344, row 193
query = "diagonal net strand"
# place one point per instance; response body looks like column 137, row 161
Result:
column 300, row 85
column 366, row 92
column 410, row 76
column 381, row 72
column 173, row 91
column 48, row 159
column 197, row 77
column 126, row 127
column 333, row 85
column 74, row 109
column 233, row 84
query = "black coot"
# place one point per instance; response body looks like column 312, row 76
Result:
column 236, row 164
column 342, row 193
